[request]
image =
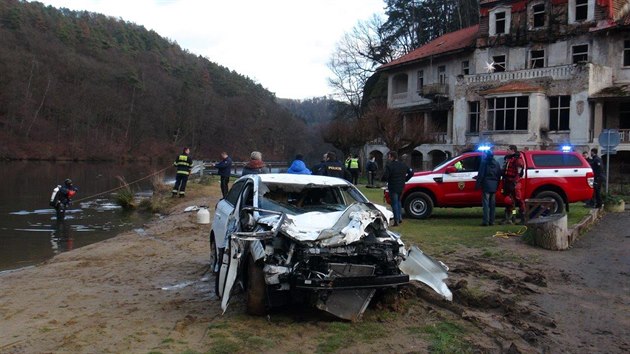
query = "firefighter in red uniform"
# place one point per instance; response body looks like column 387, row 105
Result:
column 513, row 170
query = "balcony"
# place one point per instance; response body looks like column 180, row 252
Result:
column 439, row 137
column 434, row 90
column 624, row 136
column 562, row 72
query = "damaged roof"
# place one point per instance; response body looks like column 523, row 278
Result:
column 446, row 44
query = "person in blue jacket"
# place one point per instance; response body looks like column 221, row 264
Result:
column 224, row 169
column 298, row 166
column 488, row 181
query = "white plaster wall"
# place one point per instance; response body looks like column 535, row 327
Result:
column 599, row 77
column 517, row 58
column 580, row 118
column 557, row 54
column 460, row 120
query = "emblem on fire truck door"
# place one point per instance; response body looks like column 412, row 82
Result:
column 461, row 185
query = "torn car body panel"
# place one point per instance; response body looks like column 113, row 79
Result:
column 314, row 240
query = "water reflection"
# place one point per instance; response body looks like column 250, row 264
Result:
column 29, row 231
column 61, row 239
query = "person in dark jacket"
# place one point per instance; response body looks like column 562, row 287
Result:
column 255, row 164
column 320, row 167
column 183, row 163
column 334, row 168
column 598, row 170
column 62, row 198
column 488, row 181
column 298, row 166
column 224, row 169
column 371, row 168
column 396, row 174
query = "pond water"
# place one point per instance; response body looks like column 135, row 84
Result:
column 29, row 231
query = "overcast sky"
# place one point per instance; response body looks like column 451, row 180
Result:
column 282, row 44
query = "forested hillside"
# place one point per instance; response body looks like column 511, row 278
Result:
column 82, row 85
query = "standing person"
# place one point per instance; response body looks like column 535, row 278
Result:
column 396, row 174
column 598, row 170
column 224, row 170
column 354, row 166
column 334, row 168
column 255, row 164
column 298, row 166
column 371, row 168
column 513, row 170
column 320, row 167
column 488, row 181
column 61, row 198
column 183, row 163
column 591, row 202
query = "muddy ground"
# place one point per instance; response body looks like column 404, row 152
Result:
column 149, row 291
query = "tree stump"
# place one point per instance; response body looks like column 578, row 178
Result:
column 550, row 232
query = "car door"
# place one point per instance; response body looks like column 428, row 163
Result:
column 224, row 209
column 234, row 252
column 459, row 186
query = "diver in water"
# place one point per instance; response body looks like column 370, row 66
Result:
column 61, row 198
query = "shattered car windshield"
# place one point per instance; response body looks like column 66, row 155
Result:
column 298, row 199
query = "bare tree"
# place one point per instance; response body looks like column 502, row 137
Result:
column 400, row 132
column 355, row 60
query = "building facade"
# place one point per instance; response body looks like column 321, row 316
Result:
column 539, row 74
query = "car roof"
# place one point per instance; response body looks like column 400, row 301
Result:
column 288, row 178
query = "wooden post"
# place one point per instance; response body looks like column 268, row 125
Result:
column 550, row 232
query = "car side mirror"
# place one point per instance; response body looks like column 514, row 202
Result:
column 451, row 169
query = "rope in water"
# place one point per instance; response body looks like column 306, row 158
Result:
column 124, row 185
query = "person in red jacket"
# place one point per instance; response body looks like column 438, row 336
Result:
column 513, row 170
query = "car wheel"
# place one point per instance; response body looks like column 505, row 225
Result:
column 418, row 205
column 217, row 275
column 559, row 206
column 213, row 253
column 256, row 289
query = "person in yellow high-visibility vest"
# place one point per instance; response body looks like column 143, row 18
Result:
column 183, row 163
column 354, row 166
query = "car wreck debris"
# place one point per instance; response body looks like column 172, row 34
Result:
column 313, row 240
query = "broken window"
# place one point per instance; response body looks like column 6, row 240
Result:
column 537, row 58
column 473, row 117
column 626, row 52
column 499, row 63
column 465, row 67
column 499, row 23
column 400, row 83
column 580, row 53
column 420, row 80
column 538, row 15
column 581, row 10
column 441, row 70
column 559, row 112
column 508, row 113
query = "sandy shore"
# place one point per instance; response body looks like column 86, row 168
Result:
column 124, row 294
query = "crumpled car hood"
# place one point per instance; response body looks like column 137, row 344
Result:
column 333, row 228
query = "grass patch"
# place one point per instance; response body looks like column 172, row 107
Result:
column 448, row 229
column 339, row 335
column 124, row 197
column 445, row 337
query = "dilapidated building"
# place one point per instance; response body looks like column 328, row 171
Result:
column 537, row 73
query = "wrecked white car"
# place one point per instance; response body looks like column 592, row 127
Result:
column 287, row 238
